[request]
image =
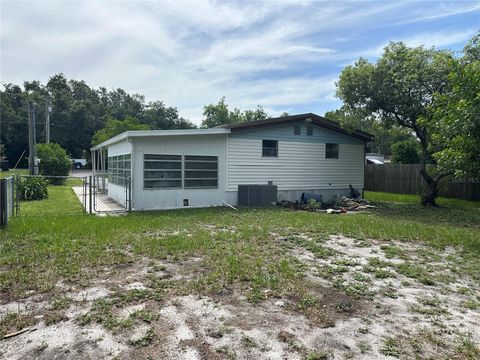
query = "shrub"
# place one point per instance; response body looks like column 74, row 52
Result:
column 54, row 161
column 406, row 152
column 313, row 205
column 32, row 188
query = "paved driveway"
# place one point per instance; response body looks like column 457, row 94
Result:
column 80, row 173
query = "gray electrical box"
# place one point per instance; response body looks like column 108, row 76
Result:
column 257, row 195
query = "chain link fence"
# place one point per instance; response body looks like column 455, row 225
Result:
column 36, row 195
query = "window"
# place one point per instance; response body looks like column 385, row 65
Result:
column 331, row 151
column 310, row 131
column 269, row 148
column 171, row 171
column 162, row 171
column 119, row 169
column 297, row 130
column 201, row 171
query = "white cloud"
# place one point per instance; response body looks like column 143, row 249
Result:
column 440, row 38
column 283, row 55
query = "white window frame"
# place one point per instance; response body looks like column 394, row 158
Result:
column 337, row 152
column 269, row 147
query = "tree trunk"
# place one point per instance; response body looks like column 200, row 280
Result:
column 429, row 194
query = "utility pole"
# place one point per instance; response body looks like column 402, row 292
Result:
column 30, row 139
column 47, row 121
column 32, row 154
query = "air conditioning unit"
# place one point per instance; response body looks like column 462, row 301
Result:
column 257, row 195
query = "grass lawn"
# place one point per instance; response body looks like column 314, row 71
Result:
column 253, row 255
column 4, row 174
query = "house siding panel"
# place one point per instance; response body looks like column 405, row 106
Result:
column 120, row 148
column 150, row 199
column 301, row 163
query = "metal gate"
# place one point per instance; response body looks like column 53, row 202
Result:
column 110, row 195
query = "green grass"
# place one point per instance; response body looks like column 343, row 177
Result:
column 46, row 242
column 61, row 201
column 453, row 212
column 4, row 174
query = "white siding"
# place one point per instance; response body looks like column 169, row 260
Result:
column 148, row 199
column 301, row 163
column 120, row 148
column 117, row 193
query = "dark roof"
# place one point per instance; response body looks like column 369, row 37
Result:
column 315, row 119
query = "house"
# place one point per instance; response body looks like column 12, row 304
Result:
column 204, row 167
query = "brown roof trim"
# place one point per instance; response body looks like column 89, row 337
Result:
column 316, row 119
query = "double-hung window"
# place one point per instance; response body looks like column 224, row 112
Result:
column 162, row 171
column 270, row 148
column 331, row 151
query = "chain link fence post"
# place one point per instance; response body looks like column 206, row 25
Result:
column 90, row 195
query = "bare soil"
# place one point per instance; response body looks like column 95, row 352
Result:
column 369, row 299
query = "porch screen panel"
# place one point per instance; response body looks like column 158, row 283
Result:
column 162, row 171
column 201, row 171
column 119, row 169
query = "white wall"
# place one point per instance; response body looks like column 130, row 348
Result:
column 120, row 148
column 146, row 199
column 118, row 193
column 300, row 165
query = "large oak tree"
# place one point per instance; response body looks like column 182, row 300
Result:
column 398, row 89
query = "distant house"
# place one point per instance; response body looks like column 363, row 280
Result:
column 172, row 169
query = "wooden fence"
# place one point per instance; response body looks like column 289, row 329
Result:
column 406, row 179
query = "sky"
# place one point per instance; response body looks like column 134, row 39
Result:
column 282, row 55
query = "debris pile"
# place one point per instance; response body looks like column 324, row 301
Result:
column 342, row 205
column 345, row 204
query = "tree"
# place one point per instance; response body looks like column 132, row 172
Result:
column 384, row 136
column 78, row 112
column 115, row 127
column 54, row 161
column 471, row 51
column 159, row 116
column 219, row 114
column 13, row 123
column 399, row 89
column 405, row 152
column 457, row 116
column 120, row 104
column 254, row 115
column 216, row 114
